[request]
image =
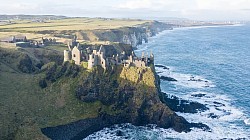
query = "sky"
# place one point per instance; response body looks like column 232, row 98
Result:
column 190, row 9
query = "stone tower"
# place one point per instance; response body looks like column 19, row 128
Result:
column 97, row 58
column 67, row 55
column 76, row 55
column 92, row 61
column 151, row 57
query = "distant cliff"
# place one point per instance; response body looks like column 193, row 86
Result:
column 127, row 35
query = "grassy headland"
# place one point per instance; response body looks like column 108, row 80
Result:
column 26, row 107
column 38, row 91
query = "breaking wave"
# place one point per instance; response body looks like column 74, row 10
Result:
column 186, row 80
column 247, row 121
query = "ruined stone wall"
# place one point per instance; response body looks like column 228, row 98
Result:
column 139, row 63
column 67, row 55
column 76, row 56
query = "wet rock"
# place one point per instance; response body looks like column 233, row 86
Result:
column 217, row 104
column 198, row 95
column 181, row 105
column 196, row 80
column 159, row 72
column 162, row 66
column 168, row 78
column 213, row 116
column 81, row 129
column 119, row 133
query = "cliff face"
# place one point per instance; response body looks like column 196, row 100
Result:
column 128, row 35
column 133, row 95
column 127, row 95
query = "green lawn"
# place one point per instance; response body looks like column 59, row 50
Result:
column 60, row 47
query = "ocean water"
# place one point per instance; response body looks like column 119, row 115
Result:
column 213, row 62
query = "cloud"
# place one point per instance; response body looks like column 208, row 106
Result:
column 136, row 4
column 163, row 5
column 195, row 9
column 220, row 5
column 223, row 5
column 18, row 8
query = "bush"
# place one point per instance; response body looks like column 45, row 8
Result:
column 25, row 64
column 43, row 83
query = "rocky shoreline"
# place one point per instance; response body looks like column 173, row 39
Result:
column 132, row 100
column 83, row 128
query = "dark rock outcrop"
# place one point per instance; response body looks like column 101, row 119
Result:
column 181, row 105
column 162, row 66
column 168, row 78
column 81, row 129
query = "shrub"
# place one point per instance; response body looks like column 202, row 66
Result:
column 25, row 64
column 43, row 83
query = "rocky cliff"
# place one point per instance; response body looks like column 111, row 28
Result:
column 127, row 95
column 127, row 35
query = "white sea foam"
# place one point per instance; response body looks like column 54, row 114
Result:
column 160, row 34
column 219, row 106
column 247, row 121
column 220, row 111
column 142, row 47
column 131, row 132
column 199, row 27
column 220, row 128
column 186, row 80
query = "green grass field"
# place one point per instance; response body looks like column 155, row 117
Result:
column 62, row 30
column 70, row 24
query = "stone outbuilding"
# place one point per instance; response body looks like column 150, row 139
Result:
column 14, row 39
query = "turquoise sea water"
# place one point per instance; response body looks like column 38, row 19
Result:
column 212, row 61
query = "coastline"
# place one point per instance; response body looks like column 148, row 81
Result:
column 55, row 131
column 85, row 127
column 200, row 71
column 207, row 26
column 199, row 96
column 185, row 28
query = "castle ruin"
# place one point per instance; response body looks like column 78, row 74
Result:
column 98, row 57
